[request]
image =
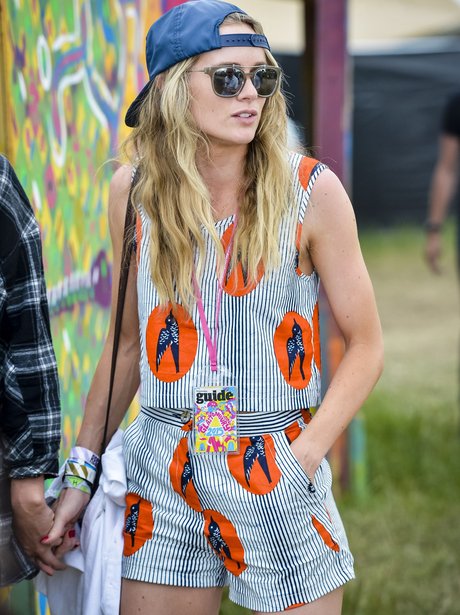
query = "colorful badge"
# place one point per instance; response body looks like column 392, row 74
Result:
column 215, row 419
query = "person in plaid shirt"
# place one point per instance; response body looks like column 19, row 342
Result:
column 29, row 390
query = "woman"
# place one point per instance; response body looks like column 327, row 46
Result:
column 232, row 235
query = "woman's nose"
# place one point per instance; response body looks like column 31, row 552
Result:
column 248, row 91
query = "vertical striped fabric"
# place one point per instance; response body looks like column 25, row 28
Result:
column 247, row 324
column 283, row 559
column 250, row 520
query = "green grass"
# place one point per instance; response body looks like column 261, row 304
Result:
column 405, row 533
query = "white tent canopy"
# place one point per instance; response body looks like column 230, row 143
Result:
column 384, row 24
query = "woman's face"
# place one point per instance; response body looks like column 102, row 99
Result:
column 227, row 121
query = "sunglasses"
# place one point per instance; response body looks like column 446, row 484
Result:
column 228, row 80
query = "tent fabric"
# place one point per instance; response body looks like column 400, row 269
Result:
column 398, row 103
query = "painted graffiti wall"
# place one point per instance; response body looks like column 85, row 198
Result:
column 71, row 68
column 68, row 71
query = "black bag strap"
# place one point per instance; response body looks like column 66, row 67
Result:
column 122, row 285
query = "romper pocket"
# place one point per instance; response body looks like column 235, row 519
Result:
column 295, row 474
column 300, row 489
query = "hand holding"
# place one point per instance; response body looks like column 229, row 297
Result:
column 32, row 520
column 69, row 509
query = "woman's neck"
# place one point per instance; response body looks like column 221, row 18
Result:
column 223, row 174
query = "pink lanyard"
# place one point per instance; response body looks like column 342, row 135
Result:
column 210, row 343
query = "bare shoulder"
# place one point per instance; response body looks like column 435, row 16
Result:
column 118, row 194
column 328, row 191
column 120, row 183
column 329, row 210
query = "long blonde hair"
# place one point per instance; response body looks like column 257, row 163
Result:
column 176, row 199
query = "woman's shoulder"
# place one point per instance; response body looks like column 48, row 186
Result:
column 118, row 193
column 305, row 169
column 330, row 199
column 121, row 179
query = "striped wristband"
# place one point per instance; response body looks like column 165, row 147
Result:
column 79, row 452
column 80, row 469
column 76, row 482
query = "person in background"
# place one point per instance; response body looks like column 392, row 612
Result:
column 228, row 483
column 444, row 183
column 30, row 412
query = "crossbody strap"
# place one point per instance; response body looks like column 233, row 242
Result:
column 122, row 285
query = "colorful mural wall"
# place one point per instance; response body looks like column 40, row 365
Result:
column 68, row 71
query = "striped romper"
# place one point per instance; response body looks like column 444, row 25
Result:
column 250, row 520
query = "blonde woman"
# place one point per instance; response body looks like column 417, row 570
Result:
column 227, row 478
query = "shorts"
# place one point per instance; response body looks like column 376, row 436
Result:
column 249, row 520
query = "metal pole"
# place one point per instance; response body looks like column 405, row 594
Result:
column 326, row 78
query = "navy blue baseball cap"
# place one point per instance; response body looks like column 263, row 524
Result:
column 186, row 31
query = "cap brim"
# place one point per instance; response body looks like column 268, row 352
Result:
column 132, row 115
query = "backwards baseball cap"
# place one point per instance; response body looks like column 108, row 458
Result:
column 186, row 31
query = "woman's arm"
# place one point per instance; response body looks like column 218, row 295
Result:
column 443, row 185
column 330, row 244
column 127, row 371
column 73, row 501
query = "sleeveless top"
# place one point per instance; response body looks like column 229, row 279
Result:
column 268, row 334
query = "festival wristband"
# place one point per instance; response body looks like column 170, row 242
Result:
column 84, row 454
column 80, row 468
column 76, row 482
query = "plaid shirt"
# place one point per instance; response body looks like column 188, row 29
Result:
column 29, row 385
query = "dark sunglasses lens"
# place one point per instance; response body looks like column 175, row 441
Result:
column 265, row 81
column 228, row 81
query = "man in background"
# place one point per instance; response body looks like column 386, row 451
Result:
column 444, row 183
column 29, row 390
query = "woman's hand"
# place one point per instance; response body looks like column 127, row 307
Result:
column 305, row 455
column 433, row 252
column 70, row 508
